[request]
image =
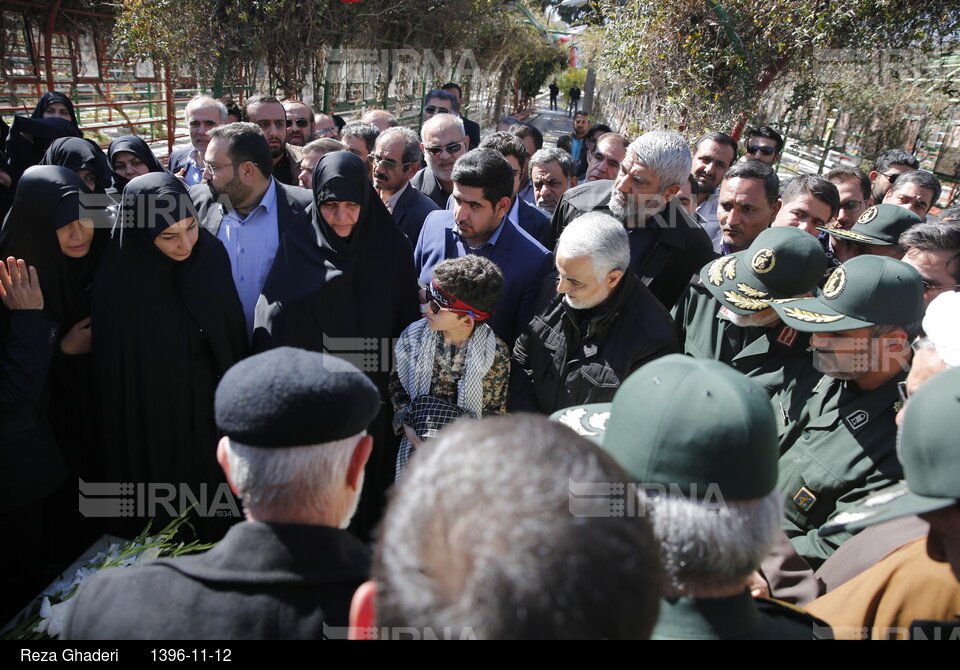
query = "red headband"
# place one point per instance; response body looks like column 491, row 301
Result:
column 455, row 305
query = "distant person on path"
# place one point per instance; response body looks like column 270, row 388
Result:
column 554, row 92
column 573, row 106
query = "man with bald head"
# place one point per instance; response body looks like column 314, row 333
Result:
column 380, row 118
column 443, row 142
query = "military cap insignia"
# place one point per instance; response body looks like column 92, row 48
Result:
column 599, row 420
column 730, row 270
column 850, row 517
column 743, row 302
column 857, row 420
column 811, row 317
column 885, row 497
column 804, row 499
column 835, row 283
column 868, row 215
column 750, row 291
column 763, row 261
column 715, row 273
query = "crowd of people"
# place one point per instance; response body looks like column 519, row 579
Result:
column 305, row 314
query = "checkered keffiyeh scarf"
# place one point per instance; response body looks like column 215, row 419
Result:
column 415, row 351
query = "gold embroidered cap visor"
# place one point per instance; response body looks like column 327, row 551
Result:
column 927, row 446
column 880, row 225
column 780, row 263
column 865, row 291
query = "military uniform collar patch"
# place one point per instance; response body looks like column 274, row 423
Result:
column 804, row 499
column 857, row 420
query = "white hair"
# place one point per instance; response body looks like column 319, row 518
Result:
column 666, row 154
column 203, row 100
column 276, row 481
column 703, row 547
column 942, row 326
column 599, row 236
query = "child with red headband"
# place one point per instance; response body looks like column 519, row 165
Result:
column 450, row 363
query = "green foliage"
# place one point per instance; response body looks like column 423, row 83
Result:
column 707, row 62
column 536, row 69
column 569, row 77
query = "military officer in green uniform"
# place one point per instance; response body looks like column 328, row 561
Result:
column 725, row 315
column 877, row 232
column 701, row 440
column 835, row 420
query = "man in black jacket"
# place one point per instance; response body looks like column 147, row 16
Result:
column 295, row 451
column 667, row 247
column 598, row 325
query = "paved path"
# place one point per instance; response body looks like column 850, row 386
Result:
column 551, row 124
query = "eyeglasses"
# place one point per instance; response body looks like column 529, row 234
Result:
column 388, row 163
column 212, row 169
column 927, row 286
column 450, row 149
column 430, row 109
column 902, row 391
column 766, row 151
column 301, row 122
column 332, row 130
column 435, row 308
column 852, row 205
column 892, row 177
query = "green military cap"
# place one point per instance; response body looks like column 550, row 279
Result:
column 688, row 424
column 927, row 445
column 864, row 291
column 880, row 225
column 782, row 262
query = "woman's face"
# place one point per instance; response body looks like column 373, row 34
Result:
column 58, row 110
column 177, row 241
column 342, row 216
column 128, row 166
column 75, row 238
column 89, row 178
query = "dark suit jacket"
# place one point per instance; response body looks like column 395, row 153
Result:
column 179, row 159
column 535, row 223
column 411, row 210
column 292, row 201
column 262, row 581
column 426, row 182
column 472, row 129
column 680, row 248
column 523, row 261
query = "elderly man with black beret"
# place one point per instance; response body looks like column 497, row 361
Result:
column 295, row 449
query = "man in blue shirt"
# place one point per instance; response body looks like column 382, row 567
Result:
column 483, row 195
column 245, row 207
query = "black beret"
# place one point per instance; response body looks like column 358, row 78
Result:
column 289, row 397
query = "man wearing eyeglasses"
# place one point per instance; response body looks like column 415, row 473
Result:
column 604, row 161
column 299, row 122
column 396, row 159
column 246, row 208
column 268, row 113
column 444, row 141
column 325, row 126
column 765, row 145
column 360, row 139
column 470, row 128
column 933, row 248
column 890, row 165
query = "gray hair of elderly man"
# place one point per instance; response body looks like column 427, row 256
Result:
column 666, row 154
column 706, row 547
column 599, row 236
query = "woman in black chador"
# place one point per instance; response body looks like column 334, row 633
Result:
column 54, row 104
column 344, row 282
column 52, row 425
column 130, row 157
column 84, row 157
column 168, row 325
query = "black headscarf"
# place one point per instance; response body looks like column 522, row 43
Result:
column 48, row 99
column 164, row 333
column 349, row 296
column 48, row 198
column 78, row 153
column 24, row 152
column 137, row 147
column 324, row 285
